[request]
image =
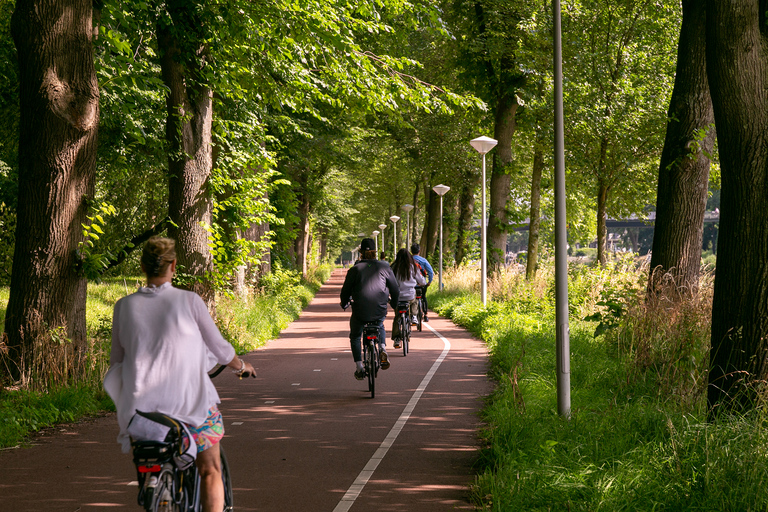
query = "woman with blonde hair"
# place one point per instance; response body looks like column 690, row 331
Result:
column 164, row 342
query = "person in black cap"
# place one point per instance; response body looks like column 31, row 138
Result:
column 369, row 285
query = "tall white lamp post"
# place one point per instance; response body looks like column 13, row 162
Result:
column 376, row 241
column 394, row 220
column 441, row 190
column 382, row 227
column 483, row 145
column 407, row 209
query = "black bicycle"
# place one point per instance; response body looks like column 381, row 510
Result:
column 422, row 310
column 371, row 354
column 166, row 470
column 403, row 321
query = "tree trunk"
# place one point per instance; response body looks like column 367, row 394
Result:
column 415, row 203
column 602, row 205
column 602, row 217
column 59, row 118
column 534, row 224
column 188, row 130
column 302, row 239
column 498, row 220
column 684, row 166
column 466, row 212
column 257, row 233
column 431, row 223
column 737, row 67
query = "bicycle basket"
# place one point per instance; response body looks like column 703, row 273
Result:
column 158, row 438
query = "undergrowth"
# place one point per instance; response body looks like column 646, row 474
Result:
column 637, row 437
column 66, row 394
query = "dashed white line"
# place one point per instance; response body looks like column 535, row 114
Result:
column 362, row 479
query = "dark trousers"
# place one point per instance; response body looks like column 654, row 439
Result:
column 356, row 334
column 425, row 306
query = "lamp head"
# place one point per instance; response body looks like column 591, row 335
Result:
column 394, row 218
column 483, row 144
column 382, row 227
column 407, row 208
column 441, row 190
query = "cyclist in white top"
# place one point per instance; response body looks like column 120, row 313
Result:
column 164, row 342
column 408, row 277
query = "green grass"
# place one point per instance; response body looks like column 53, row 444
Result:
column 248, row 323
column 637, row 438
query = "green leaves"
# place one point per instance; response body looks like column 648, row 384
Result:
column 90, row 263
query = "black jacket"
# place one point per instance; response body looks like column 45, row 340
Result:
column 369, row 284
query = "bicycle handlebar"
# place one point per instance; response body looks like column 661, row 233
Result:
column 222, row 367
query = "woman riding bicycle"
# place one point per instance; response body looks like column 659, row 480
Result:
column 164, row 342
column 408, row 277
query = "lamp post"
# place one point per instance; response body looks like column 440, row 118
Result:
column 376, row 241
column 561, row 239
column 407, row 209
column 441, row 190
column 394, row 220
column 483, row 145
column 382, row 227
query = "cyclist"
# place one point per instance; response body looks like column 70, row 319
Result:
column 425, row 266
column 408, row 277
column 164, row 341
column 368, row 285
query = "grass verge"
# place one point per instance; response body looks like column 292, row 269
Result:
column 637, row 438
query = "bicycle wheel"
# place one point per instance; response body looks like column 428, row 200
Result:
column 372, row 367
column 405, row 326
column 420, row 315
column 407, row 338
column 162, row 497
column 229, row 500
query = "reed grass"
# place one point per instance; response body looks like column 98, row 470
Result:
column 638, row 436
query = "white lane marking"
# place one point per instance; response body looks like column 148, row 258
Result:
column 237, row 422
column 362, row 479
column 269, row 402
column 296, row 384
column 317, row 370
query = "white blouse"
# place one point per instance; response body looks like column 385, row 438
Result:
column 164, row 342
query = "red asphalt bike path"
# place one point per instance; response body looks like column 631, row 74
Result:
column 305, row 434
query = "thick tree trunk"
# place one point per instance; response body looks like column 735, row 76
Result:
column 59, row 117
column 534, row 224
column 498, row 220
column 466, row 211
column 188, row 130
column 737, row 67
column 684, row 166
column 432, row 226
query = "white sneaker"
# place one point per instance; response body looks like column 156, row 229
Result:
column 415, row 320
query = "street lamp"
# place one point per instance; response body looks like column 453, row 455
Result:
column 441, row 190
column 483, row 145
column 382, row 227
column 376, row 240
column 394, row 220
column 407, row 209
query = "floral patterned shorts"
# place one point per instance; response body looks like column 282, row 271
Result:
column 210, row 432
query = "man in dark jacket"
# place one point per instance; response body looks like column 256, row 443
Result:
column 370, row 284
